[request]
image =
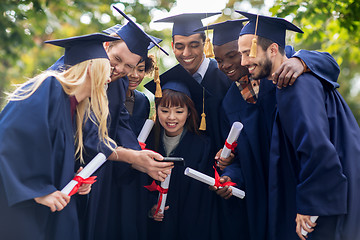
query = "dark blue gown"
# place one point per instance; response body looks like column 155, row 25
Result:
column 217, row 84
column 97, row 216
column 129, row 209
column 140, row 113
column 192, row 204
column 36, row 159
column 102, row 218
column 314, row 166
column 250, row 168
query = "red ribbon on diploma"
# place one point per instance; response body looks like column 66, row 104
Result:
column 81, row 181
column 142, row 145
column 154, row 187
column 217, row 181
column 231, row 146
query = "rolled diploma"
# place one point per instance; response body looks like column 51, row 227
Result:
column 232, row 137
column 211, row 181
column 145, row 131
column 89, row 169
column 165, row 185
column 313, row 219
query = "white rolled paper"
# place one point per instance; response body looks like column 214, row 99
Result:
column 164, row 185
column 232, row 137
column 145, row 131
column 89, row 169
column 313, row 219
column 211, row 181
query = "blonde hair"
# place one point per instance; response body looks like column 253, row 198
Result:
column 96, row 108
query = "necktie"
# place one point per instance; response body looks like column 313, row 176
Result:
column 197, row 77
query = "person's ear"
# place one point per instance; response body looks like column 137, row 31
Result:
column 106, row 46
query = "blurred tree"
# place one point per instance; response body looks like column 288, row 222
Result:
column 334, row 27
column 25, row 25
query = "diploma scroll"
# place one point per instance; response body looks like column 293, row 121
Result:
column 211, row 181
column 313, row 219
column 145, row 131
column 164, row 185
column 89, row 169
column 232, row 137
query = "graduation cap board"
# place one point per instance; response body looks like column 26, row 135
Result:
column 117, row 27
column 225, row 32
column 82, row 48
column 272, row 28
column 185, row 24
column 135, row 38
column 178, row 79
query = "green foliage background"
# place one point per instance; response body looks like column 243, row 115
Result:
column 331, row 26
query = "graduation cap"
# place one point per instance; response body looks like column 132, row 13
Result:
column 272, row 28
column 178, row 79
column 225, row 32
column 135, row 38
column 82, row 48
column 117, row 27
column 185, row 24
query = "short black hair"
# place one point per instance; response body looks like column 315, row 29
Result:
column 264, row 43
column 202, row 35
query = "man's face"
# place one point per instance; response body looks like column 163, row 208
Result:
column 121, row 59
column 259, row 66
column 229, row 60
column 189, row 51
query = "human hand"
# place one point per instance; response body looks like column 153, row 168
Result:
column 144, row 161
column 224, row 192
column 159, row 216
column 84, row 188
column 288, row 72
column 56, row 201
column 304, row 222
column 221, row 162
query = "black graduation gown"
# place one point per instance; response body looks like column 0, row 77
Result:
column 36, row 159
column 100, row 215
column 250, row 168
column 140, row 112
column 191, row 211
column 129, row 213
column 230, row 211
column 313, row 164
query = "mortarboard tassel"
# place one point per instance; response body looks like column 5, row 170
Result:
column 158, row 92
column 203, row 115
column 208, row 48
column 253, row 48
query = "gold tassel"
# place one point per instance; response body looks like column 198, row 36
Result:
column 208, row 48
column 158, row 92
column 203, row 115
column 253, row 49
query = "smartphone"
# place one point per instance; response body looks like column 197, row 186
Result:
column 175, row 160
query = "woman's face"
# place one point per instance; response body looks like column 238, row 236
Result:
column 136, row 76
column 172, row 119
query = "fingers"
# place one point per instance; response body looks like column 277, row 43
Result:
column 153, row 154
column 56, row 201
column 79, row 170
column 275, row 75
column 84, row 189
column 217, row 156
column 162, row 176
